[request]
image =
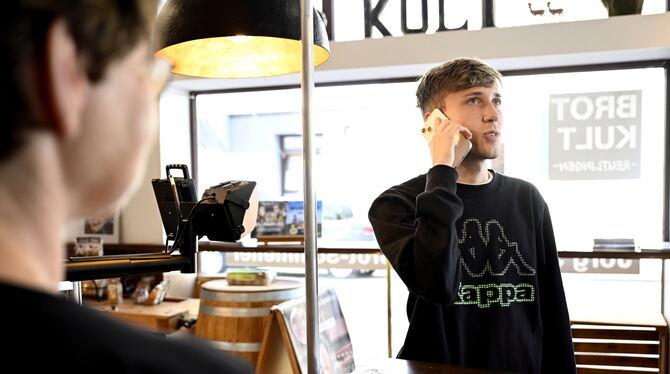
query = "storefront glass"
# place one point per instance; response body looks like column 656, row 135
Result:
column 591, row 142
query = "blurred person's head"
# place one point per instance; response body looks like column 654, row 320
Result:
column 79, row 109
column 77, row 93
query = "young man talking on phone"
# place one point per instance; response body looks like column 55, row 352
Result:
column 475, row 248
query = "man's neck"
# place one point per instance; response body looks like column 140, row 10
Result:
column 32, row 216
column 473, row 172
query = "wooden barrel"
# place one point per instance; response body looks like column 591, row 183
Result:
column 233, row 318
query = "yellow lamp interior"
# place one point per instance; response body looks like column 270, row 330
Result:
column 238, row 57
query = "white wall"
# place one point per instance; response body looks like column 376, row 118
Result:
column 175, row 132
column 615, row 39
column 618, row 39
column 140, row 220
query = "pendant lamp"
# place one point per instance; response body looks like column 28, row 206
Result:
column 235, row 38
column 256, row 38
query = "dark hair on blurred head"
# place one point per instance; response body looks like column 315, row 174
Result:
column 103, row 31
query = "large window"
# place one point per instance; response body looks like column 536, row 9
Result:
column 368, row 142
column 592, row 142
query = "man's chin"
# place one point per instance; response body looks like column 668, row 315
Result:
column 478, row 155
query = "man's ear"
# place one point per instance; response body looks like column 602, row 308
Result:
column 426, row 115
column 65, row 79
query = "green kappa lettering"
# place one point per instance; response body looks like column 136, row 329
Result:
column 505, row 294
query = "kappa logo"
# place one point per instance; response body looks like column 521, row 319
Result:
column 503, row 294
column 488, row 250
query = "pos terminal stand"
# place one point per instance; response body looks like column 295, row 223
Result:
column 225, row 213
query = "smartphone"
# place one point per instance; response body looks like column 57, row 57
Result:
column 462, row 146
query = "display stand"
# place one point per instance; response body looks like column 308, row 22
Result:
column 277, row 354
column 285, row 347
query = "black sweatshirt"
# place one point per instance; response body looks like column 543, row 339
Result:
column 46, row 333
column 481, row 267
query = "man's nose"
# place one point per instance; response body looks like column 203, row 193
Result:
column 491, row 113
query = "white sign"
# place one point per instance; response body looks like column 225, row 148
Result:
column 595, row 135
column 366, row 261
column 600, row 265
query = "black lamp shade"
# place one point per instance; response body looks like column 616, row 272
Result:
column 235, row 38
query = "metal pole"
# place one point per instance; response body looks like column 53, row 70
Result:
column 311, row 266
column 193, row 122
column 76, row 292
column 663, row 287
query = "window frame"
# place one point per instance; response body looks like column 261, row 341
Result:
column 287, row 153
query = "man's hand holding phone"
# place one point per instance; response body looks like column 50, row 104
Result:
column 448, row 140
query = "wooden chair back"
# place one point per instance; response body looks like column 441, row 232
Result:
column 626, row 346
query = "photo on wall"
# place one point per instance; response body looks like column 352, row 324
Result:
column 106, row 228
column 271, row 219
column 283, row 218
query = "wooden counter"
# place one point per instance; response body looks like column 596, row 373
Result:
column 161, row 318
